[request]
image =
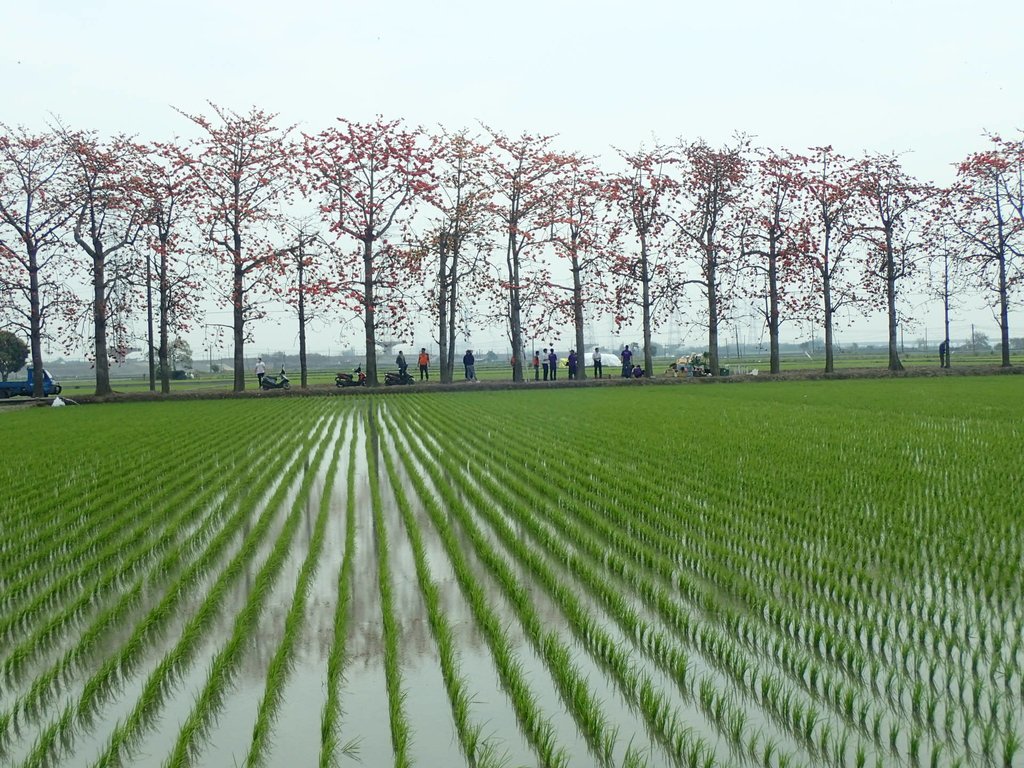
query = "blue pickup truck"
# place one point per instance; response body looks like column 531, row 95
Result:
column 15, row 388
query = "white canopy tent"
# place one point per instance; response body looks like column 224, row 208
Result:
column 608, row 360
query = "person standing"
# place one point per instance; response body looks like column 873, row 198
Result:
column 469, row 363
column 598, row 368
column 553, row 363
column 545, row 363
column 944, row 354
column 261, row 371
column 402, row 365
column 627, row 362
column 424, row 362
column 536, row 366
column 572, row 363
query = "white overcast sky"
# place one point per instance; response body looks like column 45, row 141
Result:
column 925, row 78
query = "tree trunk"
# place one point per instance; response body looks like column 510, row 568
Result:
column 369, row 318
column 238, row 324
column 514, row 309
column 442, row 315
column 945, row 306
column 577, row 316
column 302, row 322
column 453, row 305
column 1004, row 316
column 150, row 345
column 1004, row 312
column 773, row 307
column 35, row 321
column 99, row 318
column 890, row 297
column 711, row 274
column 165, row 301
column 826, row 291
column 645, row 305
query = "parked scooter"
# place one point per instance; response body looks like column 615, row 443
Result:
column 402, row 377
column 355, row 379
column 276, row 382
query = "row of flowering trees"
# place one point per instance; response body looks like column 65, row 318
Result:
column 390, row 222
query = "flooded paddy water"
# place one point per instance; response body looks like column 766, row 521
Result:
column 380, row 595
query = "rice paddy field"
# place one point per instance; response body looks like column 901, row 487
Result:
column 775, row 574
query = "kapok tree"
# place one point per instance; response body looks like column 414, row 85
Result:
column 455, row 240
column 711, row 190
column 520, row 171
column 582, row 233
column 307, row 283
column 243, row 167
column 894, row 205
column 983, row 211
column 106, row 182
column 168, row 193
column 35, row 208
column 643, row 195
column 772, row 236
column 369, row 177
column 945, row 256
column 830, row 205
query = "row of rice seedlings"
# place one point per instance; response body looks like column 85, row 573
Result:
column 662, row 719
column 105, row 523
column 107, row 515
column 456, row 684
column 282, row 467
column 194, row 730
column 127, row 531
column 46, row 684
column 109, row 616
column 281, row 664
column 535, row 725
column 719, row 708
column 580, row 700
column 823, row 645
column 331, row 747
column 829, row 654
column 575, row 536
column 906, row 607
column 397, row 715
column 175, row 512
column 861, row 636
column 45, row 514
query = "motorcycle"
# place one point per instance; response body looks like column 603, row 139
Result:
column 355, row 379
column 402, row 377
column 276, row 382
